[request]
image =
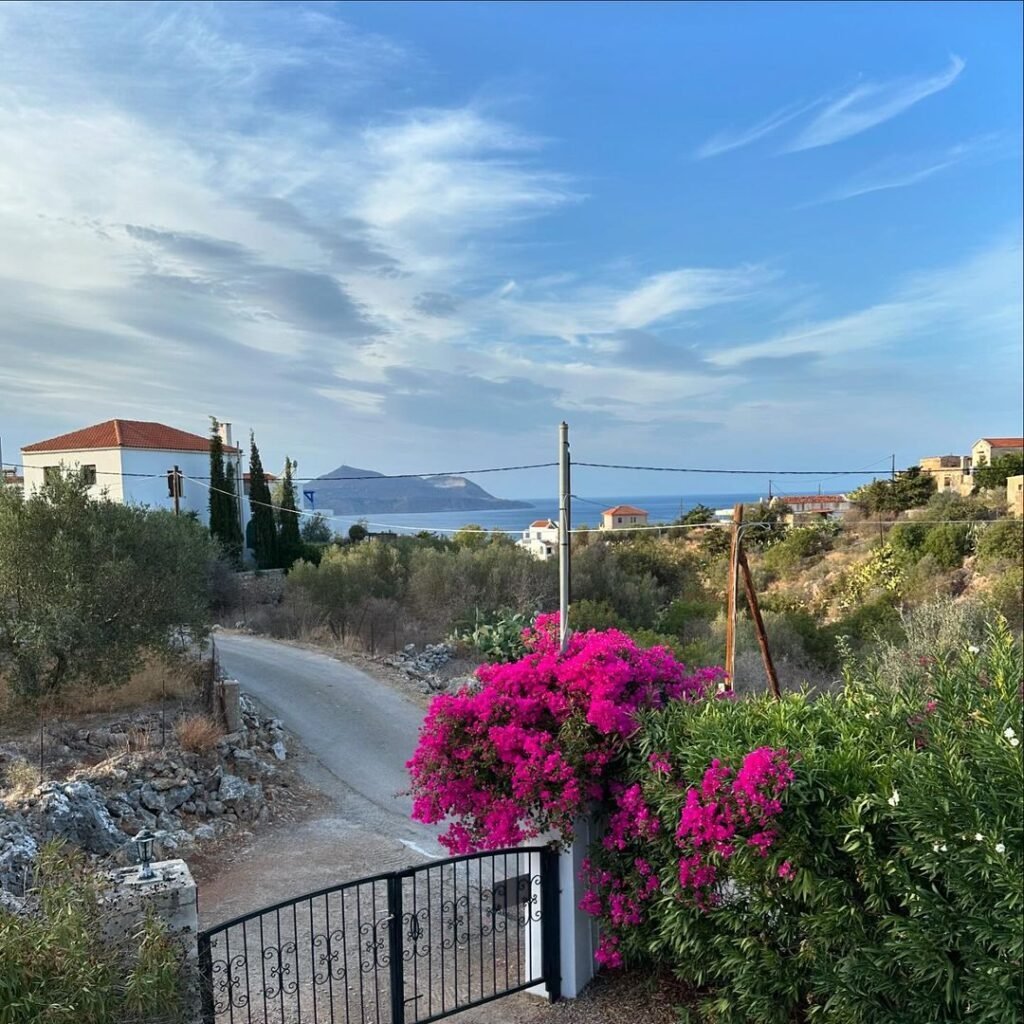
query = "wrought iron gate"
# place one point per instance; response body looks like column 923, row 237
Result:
column 406, row 947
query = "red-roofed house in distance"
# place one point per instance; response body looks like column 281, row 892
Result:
column 130, row 460
column 540, row 538
column 986, row 450
column 623, row 517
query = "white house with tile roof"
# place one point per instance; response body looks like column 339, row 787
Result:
column 540, row 538
column 129, row 461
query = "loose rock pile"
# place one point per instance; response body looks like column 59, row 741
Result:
column 424, row 666
column 183, row 797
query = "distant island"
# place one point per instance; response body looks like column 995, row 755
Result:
column 377, row 494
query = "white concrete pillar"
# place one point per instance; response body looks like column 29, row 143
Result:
column 578, row 931
column 171, row 898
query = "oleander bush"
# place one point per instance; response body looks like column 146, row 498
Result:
column 56, row 969
column 854, row 858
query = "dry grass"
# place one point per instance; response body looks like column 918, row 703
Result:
column 154, row 681
column 19, row 779
column 198, row 733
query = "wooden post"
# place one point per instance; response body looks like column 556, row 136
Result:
column 762, row 635
column 730, row 612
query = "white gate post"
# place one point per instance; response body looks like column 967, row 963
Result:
column 578, row 931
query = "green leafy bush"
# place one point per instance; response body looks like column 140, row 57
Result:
column 908, row 538
column 948, row 544
column 588, row 614
column 886, row 889
column 1002, row 542
column 55, row 969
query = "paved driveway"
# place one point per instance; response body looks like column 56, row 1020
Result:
column 357, row 731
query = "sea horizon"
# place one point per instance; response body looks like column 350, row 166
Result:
column 661, row 508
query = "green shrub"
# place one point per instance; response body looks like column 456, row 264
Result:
column 1002, row 542
column 588, row 614
column 54, row 968
column 1006, row 596
column 908, row 538
column 948, row 544
column 890, row 892
column 685, row 618
column 950, row 507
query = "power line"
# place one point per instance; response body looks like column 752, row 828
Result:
column 738, row 472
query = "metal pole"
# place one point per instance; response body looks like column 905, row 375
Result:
column 177, row 490
column 564, row 526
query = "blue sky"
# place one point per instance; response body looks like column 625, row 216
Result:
column 416, row 236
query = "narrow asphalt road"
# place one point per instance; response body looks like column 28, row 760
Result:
column 358, row 731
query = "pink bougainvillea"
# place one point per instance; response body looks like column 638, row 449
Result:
column 726, row 812
column 526, row 751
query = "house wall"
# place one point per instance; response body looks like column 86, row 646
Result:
column 106, row 460
column 983, row 452
column 115, row 469
column 541, row 543
column 150, row 488
column 1015, row 495
column 622, row 522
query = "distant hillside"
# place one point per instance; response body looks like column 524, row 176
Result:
column 417, row 494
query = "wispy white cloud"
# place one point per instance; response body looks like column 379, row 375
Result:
column 901, row 172
column 870, row 104
column 724, row 141
column 856, row 111
column 978, row 301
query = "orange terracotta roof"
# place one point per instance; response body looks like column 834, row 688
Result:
column 549, row 523
column 266, row 476
column 1005, row 442
column 126, row 434
column 623, row 510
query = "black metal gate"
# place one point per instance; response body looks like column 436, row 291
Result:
column 406, row 947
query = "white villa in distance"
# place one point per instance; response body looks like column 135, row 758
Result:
column 130, row 461
column 540, row 538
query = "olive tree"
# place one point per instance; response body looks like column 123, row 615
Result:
column 87, row 587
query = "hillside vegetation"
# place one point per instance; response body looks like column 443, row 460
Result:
column 824, row 588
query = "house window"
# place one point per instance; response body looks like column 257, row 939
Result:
column 618, row 519
column 88, row 475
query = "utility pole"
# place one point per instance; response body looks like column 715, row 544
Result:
column 174, row 487
column 564, row 526
column 893, row 470
column 730, row 613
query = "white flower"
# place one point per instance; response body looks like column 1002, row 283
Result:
column 894, row 799
column 974, row 648
column 935, row 847
column 1000, row 848
column 1009, row 733
column 978, row 837
column 943, row 848
column 1015, row 742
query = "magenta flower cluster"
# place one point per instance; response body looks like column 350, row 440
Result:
column 527, row 750
column 726, row 812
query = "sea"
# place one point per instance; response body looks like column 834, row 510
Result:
column 662, row 508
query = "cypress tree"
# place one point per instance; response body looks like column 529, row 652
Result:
column 289, row 543
column 233, row 541
column 218, row 514
column 224, row 525
column 264, row 530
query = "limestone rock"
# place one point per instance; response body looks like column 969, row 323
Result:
column 76, row 813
